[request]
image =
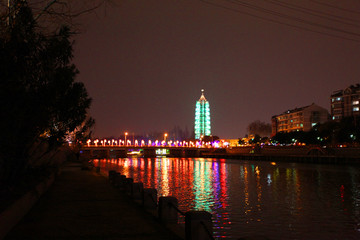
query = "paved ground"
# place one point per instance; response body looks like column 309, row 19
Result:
column 83, row 205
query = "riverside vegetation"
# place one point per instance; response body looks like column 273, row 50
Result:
column 42, row 106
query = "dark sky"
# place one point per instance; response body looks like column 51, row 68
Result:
column 144, row 63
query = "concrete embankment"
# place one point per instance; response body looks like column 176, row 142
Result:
column 20, row 206
column 83, row 205
column 16, row 211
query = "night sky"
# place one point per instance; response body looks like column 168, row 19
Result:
column 144, row 63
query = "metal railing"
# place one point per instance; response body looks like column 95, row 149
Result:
column 112, row 177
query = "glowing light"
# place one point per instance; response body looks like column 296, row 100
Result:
column 269, row 181
column 257, row 171
column 125, row 136
column 162, row 151
column 202, row 117
column 149, row 143
column 135, row 153
column 165, row 176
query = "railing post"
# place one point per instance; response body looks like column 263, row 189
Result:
column 198, row 225
column 115, row 178
column 138, row 189
column 112, row 174
column 128, row 184
column 119, row 180
column 167, row 212
column 150, row 198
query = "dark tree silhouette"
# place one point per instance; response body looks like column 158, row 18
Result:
column 328, row 133
column 50, row 15
column 259, row 128
column 40, row 100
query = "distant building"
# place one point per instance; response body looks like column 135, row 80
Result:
column 230, row 142
column 345, row 103
column 202, row 117
column 299, row 119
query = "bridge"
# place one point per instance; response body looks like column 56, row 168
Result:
column 118, row 148
column 141, row 151
column 122, row 149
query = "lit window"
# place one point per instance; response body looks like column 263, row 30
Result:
column 356, row 109
column 313, row 124
column 355, row 102
column 338, row 99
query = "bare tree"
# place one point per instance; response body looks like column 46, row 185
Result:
column 259, row 128
column 50, row 15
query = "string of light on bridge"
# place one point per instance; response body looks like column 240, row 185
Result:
column 149, row 143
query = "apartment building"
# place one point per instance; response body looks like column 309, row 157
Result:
column 345, row 103
column 299, row 119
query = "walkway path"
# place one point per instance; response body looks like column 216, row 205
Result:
column 83, row 205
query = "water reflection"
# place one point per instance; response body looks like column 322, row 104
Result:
column 275, row 200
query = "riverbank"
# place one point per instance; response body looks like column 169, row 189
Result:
column 83, row 205
column 297, row 154
column 320, row 159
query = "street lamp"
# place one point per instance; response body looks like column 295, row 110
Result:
column 125, row 138
column 165, row 135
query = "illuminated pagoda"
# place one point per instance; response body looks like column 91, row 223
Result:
column 202, row 117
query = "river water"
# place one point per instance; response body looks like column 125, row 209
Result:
column 250, row 199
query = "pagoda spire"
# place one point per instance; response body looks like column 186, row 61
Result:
column 202, row 126
column 202, row 98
